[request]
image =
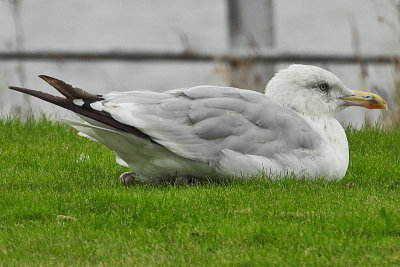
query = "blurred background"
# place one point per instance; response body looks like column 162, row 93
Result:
column 101, row 46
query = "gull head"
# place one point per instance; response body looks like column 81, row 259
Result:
column 314, row 91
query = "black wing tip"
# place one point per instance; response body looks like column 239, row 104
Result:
column 43, row 76
column 68, row 90
column 53, row 81
column 85, row 110
column 19, row 89
column 49, row 79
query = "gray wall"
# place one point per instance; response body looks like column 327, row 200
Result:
column 342, row 26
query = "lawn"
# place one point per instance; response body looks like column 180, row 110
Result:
column 61, row 203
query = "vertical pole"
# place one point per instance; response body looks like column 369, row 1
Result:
column 19, row 38
column 251, row 30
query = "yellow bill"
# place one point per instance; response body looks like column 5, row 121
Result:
column 365, row 99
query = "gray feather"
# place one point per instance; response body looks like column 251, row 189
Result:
column 198, row 123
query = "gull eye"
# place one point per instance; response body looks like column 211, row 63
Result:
column 323, row 86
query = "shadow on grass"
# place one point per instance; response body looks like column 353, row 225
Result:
column 262, row 180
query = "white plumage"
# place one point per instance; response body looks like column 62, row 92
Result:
column 210, row 131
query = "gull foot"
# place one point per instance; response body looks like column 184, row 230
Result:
column 127, row 178
column 184, row 180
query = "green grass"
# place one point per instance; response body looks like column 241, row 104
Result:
column 48, row 171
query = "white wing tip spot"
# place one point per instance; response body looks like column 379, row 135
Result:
column 97, row 106
column 78, row 102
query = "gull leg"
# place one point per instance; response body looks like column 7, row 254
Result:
column 127, row 178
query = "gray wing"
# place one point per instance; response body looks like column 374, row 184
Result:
column 199, row 122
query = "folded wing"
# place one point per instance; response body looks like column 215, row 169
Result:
column 200, row 122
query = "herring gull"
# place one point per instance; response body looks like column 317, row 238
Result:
column 213, row 131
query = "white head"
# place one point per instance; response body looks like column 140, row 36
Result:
column 314, row 91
